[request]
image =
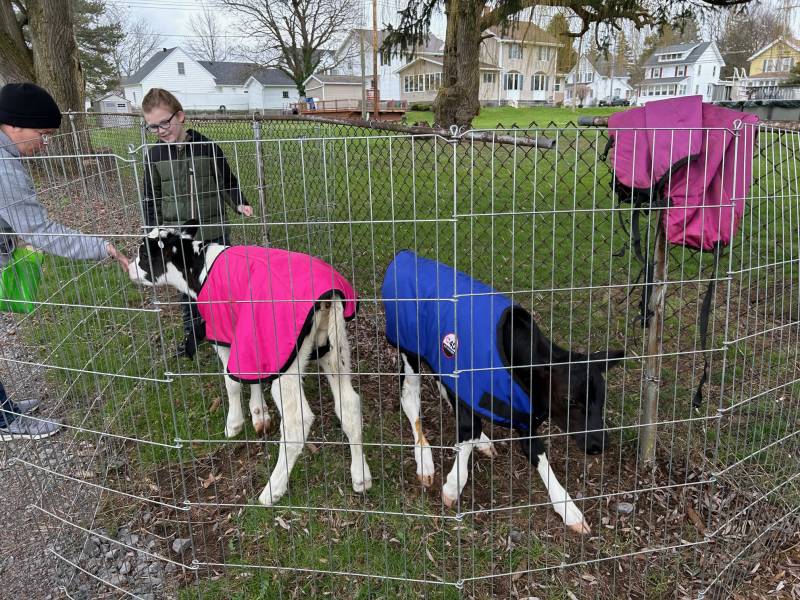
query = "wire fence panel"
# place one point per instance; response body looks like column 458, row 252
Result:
column 143, row 494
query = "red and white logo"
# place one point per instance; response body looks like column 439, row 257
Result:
column 450, row 345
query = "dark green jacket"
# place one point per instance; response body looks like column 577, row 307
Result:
column 189, row 180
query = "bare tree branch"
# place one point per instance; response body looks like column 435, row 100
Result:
column 296, row 36
column 139, row 44
column 211, row 43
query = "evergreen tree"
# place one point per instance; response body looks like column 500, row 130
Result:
column 96, row 39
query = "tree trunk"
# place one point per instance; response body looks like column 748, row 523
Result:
column 56, row 62
column 16, row 62
column 457, row 102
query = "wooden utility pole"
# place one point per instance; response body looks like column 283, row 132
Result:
column 363, row 76
column 376, row 97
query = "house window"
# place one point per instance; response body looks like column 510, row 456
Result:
column 709, row 90
column 285, row 93
column 680, row 70
column 714, row 71
column 512, row 81
column 121, row 105
column 489, row 78
column 616, row 92
column 134, row 97
column 682, row 90
column 699, row 69
column 544, row 53
column 696, row 89
column 539, row 82
column 787, row 64
column 557, row 84
column 515, row 51
column 181, row 69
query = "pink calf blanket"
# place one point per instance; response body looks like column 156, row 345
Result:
column 261, row 303
column 696, row 156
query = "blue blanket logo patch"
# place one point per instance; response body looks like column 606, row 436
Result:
column 450, row 345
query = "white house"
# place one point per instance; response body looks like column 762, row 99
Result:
column 348, row 59
column 596, row 80
column 204, row 85
column 682, row 70
column 517, row 66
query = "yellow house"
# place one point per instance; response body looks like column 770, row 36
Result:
column 771, row 65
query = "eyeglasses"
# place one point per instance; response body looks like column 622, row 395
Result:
column 165, row 124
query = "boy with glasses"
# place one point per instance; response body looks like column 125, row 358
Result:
column 28, row 116
column 186, row 177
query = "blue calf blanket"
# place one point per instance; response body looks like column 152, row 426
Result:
column 452, row 322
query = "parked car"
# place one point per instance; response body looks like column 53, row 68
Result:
column 615, row 101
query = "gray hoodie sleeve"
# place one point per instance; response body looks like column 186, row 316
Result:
column 27, row 218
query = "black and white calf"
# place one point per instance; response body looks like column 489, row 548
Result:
column 268, row 314
column 491, row 361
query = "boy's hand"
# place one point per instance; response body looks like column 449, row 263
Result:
column 244, row 209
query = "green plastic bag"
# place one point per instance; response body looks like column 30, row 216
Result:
column 19, row 280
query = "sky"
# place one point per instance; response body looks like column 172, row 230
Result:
column 171, row 18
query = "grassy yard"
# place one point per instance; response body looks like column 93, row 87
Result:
column 539, row 224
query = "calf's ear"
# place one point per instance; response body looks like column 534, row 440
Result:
column 606, row 359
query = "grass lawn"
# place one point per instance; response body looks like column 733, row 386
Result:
column 539, row 224
column 506, row 116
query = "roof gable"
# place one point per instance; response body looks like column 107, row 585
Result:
column 790, row 42
column 697, row 50
column 150, row 64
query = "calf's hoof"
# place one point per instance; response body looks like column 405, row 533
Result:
column 448, row 501
column 580, row 528
column 488, row 450
column 262, row 424
column 231, row 431
column 425, row 480
column 362, row 478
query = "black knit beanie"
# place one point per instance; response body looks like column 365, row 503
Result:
column 28, row 105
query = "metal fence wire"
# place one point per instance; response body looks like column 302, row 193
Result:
column 143, row 495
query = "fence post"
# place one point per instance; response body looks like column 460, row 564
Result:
column 260, row 183
column 76, row 143
column 652, row 367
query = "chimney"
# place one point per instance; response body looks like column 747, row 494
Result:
column 164, row 49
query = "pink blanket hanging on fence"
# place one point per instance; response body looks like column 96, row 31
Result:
column 261, row 301
column 696, row 156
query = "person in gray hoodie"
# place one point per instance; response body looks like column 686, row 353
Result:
column 28, row 117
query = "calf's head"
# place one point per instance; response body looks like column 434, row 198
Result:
column 169, row 257
column 572, row 384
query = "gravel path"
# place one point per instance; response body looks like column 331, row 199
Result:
column 31, row 540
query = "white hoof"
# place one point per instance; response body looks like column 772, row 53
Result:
column 425, row 468
column 233, row 429
column 261, row 423
column 362, row 478
column 449, row 496
column 487, row 449
column 270, row 495
column 580, row 528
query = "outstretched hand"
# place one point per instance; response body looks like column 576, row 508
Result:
column 245, row 209
column 121, row 259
